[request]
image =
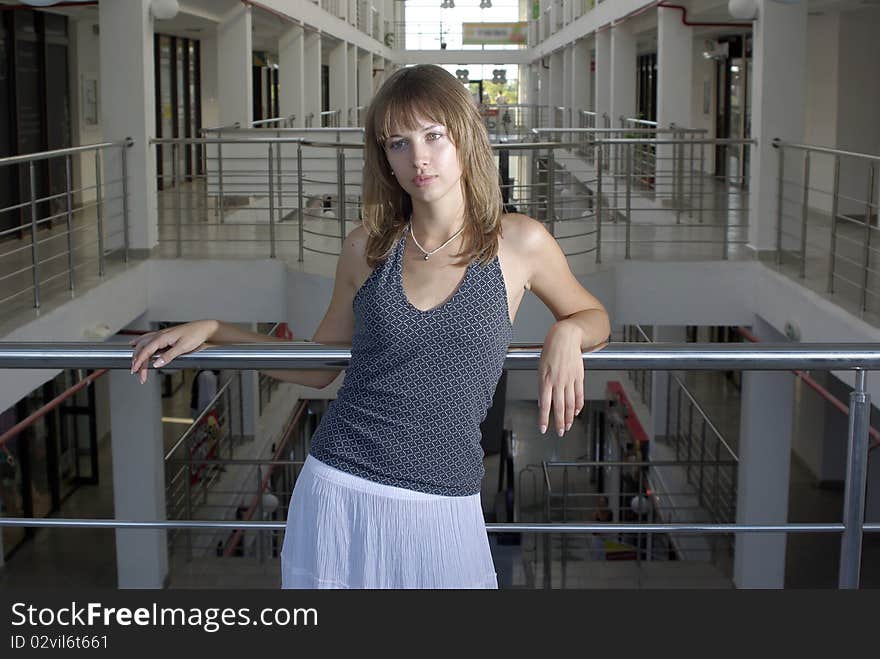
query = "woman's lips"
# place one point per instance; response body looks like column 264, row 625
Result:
column 422, row 181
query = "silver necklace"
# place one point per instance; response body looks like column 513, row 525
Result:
column 433, row 251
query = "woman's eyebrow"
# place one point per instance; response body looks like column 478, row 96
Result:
column 424, row 130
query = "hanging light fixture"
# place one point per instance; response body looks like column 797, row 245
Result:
column 447, row 4
column 462, row 75
column 485, row 4
column 499, row 76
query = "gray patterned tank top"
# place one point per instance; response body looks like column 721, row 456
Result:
column 419, row 382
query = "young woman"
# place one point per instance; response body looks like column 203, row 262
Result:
column 426, row 293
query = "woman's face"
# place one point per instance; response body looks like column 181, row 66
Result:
column 424, row 161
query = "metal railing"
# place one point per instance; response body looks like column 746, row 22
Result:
column 438, row 35
column 827, row 214
column 60, row 229
column 852, row 357
column 275, row 122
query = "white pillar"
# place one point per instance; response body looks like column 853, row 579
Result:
column 350, row 111
column 779, row 53
column 339, row 79
column 567, row 86
column 138, row 477
column 581, row 78
column 557, row 82
column 623, row 72
column 764, row 465
column 603, row 77
column 291, row 73
column 235, row 59
column 675, row 83
column 127, row 100
column 365, row 81
column 312, row 77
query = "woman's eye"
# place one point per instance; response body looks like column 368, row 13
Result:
column 394, row 146
column 433, row 137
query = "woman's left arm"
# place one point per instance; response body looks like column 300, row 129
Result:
column 581, row 324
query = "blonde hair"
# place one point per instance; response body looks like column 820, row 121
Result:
column 429, row 92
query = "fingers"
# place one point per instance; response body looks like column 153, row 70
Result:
column 578, row 396
column 544, row 401
column 559, row 409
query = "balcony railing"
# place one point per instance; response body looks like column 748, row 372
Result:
column 859, row 358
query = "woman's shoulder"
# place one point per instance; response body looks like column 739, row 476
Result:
column 522, row 234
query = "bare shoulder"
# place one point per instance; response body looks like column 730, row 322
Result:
column 522, row 232
column 526, row 240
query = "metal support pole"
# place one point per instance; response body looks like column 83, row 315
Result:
column 278, row 187
column 701, row 175
column 299, row 196
column 240, row 407
column 99, row 208
column 868, row 214
column 220, row 178
column 35, row 259
column 188, row 505
column 551, row 191
column 628, row 200
column 269, row 171
column 340, row 194
column 835, row 196
column 691, row 180
column 178, row 211
column 260, row 534
column 856, row 479
column 779, row 190
column 598, row 204
column 125, row 218
column 69, row 213
column 804, row 214
column 679, row 172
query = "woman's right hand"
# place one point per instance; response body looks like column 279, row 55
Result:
column 175, row 341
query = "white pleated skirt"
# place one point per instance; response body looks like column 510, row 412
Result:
column 344, row 531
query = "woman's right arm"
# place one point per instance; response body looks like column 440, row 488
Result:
column 336, row 328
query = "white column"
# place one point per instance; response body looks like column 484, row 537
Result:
column 235, row 59
column 764, row 464
column 567, row 86
column 350, row 111
column 339, row 79
column 312, row 79
column 675, row 83
column 581, row 78
column 779, row 53
column 365, row 81
column 603, row 77
column 138, row 478
column 557, row 83
column 623, row 72
column 291, row 74
column 127, row 100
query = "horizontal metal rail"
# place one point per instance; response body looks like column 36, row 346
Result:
column 520, row 356
column 45, row 155
column 492, row 528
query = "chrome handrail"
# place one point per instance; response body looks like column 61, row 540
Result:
column 521, row 356
column 44, row 155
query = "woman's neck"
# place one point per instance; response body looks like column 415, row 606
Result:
column 435, row 223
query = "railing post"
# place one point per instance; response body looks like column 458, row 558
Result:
column 240, row 407
column 779, row 191
column 598, row 204
column 701, row 174
column 220, row 200
column 260, row 534
column 340, row 194
column 35, row 259
column 269, row 171
column 856, row 478
column 189, row 509
column 628, row 198
column 299, row 196
column 868, row 214
column 99, row 209
column 551, row 192
column 278, row 178
column 835, row 196
column 125, row 218
column 69, row 213
column 804, row 214
column 175, row 174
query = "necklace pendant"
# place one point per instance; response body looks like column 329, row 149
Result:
column 426, row 256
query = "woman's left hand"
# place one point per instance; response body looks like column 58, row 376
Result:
column 561, row 376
